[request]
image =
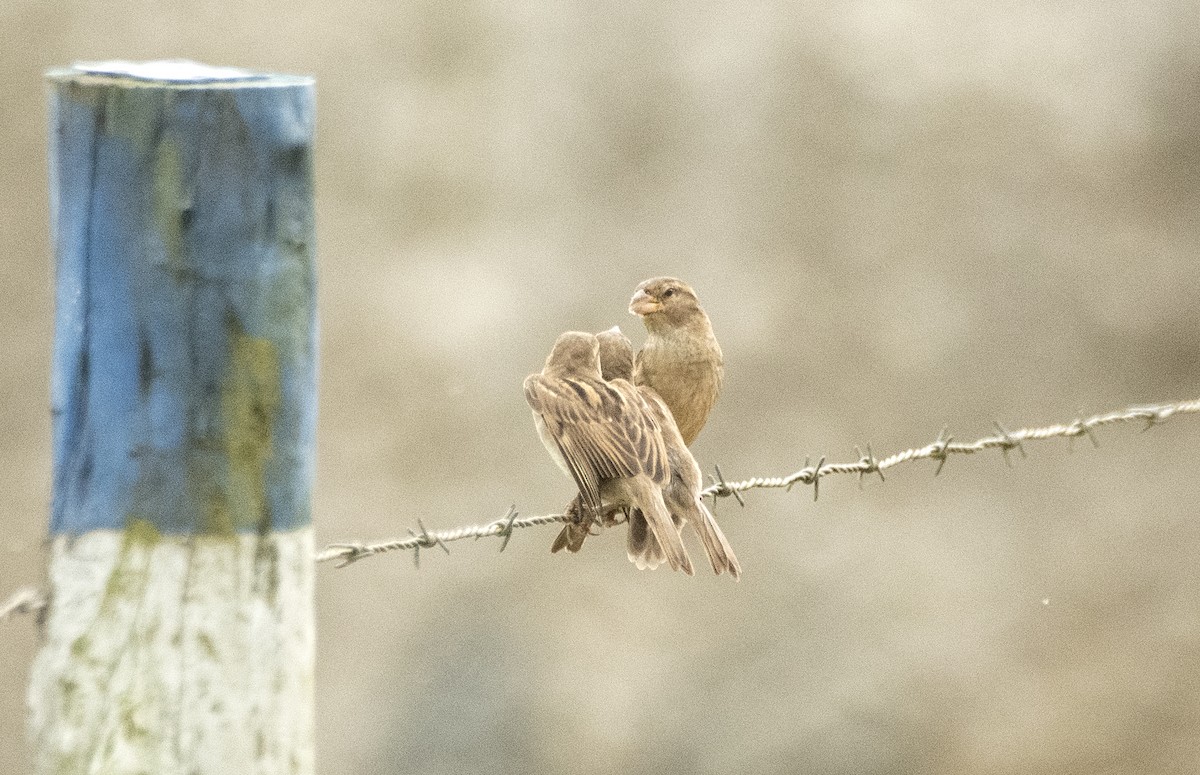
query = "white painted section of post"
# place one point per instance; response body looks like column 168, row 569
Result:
column 154, row 679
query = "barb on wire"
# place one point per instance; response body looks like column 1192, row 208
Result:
column 345, row 553
column 940, row 450
column 26, row 600
column 719, row 482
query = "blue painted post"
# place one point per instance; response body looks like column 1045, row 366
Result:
column 179, row 637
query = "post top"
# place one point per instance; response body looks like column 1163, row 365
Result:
column 173, row 72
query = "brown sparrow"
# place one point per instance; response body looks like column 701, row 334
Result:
column 681, row 360
column 605, row 436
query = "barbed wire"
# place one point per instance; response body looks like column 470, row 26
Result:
column 941, row 449
column 26, row 600
column 32, row 600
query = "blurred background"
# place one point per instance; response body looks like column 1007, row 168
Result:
column 898, row 215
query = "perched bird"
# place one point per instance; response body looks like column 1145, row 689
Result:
column 616, row 361
column 681, row 360
column 682, row 493
column 605, row 437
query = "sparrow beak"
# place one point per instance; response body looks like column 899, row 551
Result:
column 643, row 303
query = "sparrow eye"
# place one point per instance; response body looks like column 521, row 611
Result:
column 668, row 293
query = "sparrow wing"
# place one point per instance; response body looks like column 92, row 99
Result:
column 602, row 430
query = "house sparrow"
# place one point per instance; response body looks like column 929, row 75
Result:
column 682, row 493
column 681, row 360
column 616, row 361
column 605, row 437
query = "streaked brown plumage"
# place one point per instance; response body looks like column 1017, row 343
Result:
column 682, row 493
column 682, row 496
column 616, row 360
column 681, row 360
column 604, row 436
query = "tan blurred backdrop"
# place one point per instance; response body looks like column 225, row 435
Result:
column 899, row 216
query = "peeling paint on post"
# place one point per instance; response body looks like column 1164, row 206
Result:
column 179, row 637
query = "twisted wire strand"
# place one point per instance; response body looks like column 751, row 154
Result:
column 25, row 600
column 940, row 450
column 31, row 600
column 346, row 553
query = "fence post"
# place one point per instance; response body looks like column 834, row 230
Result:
column 179, row 636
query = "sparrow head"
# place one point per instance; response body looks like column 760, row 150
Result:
column 664, row 299
column 616, row 354
column 575, row 354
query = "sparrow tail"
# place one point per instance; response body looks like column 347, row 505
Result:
column 716, row 546
column 665, row 531
column 642, row 547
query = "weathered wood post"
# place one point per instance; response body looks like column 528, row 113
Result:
column 179, row 636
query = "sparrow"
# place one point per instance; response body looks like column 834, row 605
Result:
column 682, row 493
column 605, row 436
column 616, row 361
column 681, row 360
